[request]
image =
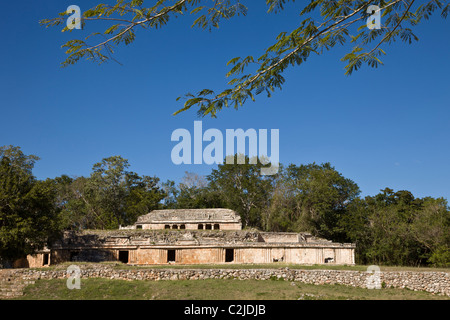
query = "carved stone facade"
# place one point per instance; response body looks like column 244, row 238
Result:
column 153, row 243
column 189, row 219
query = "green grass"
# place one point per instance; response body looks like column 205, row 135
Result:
column 213, row 289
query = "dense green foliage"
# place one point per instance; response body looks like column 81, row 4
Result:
column 311, row 198
column 397, row 228
column 28, row 213
column 110, row 197
column 324, row 25
column 389, row 228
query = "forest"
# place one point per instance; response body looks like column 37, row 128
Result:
column 389, row 228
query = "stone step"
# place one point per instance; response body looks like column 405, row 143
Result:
column 5, row 287
column 11, row 290
column 12, row 283
column 10, row 295
column 11, row 286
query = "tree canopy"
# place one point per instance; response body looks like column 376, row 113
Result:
column 325, row 24
column 28, row 211
column 111, row 196
column 311, row 198
column 399, row 229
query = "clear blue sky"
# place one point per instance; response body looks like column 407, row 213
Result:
column 385, row 127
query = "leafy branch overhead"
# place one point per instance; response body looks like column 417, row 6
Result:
column 340, row 22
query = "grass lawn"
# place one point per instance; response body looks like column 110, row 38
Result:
column 213, row 289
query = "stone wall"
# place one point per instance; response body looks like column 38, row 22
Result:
column 186, row 226
column 280, row 237
column 207, row 254
column 97, row 238
column 434, row 282
column 146, row 247
column 190, row 219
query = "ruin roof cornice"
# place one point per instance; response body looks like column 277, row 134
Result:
column 190, row 216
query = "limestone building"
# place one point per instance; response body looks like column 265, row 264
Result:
column 189, row 219
column 197, row 236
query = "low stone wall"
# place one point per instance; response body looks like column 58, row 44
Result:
column 434, row 282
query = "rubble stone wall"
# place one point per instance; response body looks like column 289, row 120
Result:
column 430, row 281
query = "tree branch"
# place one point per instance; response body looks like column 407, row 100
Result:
column 393, row 30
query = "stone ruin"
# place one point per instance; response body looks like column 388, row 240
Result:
column 194, row 236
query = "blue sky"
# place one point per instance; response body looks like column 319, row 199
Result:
column 385, row 127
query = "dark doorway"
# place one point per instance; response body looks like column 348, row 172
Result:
column 139, row 226
column 200, row 227
column 182, row 227
column 46, row 258
column 73, row 255
column 216, row 226
column 166, row 226
column 123, row 256
column 170, row 255
column 208, row 227
column 229, row 255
